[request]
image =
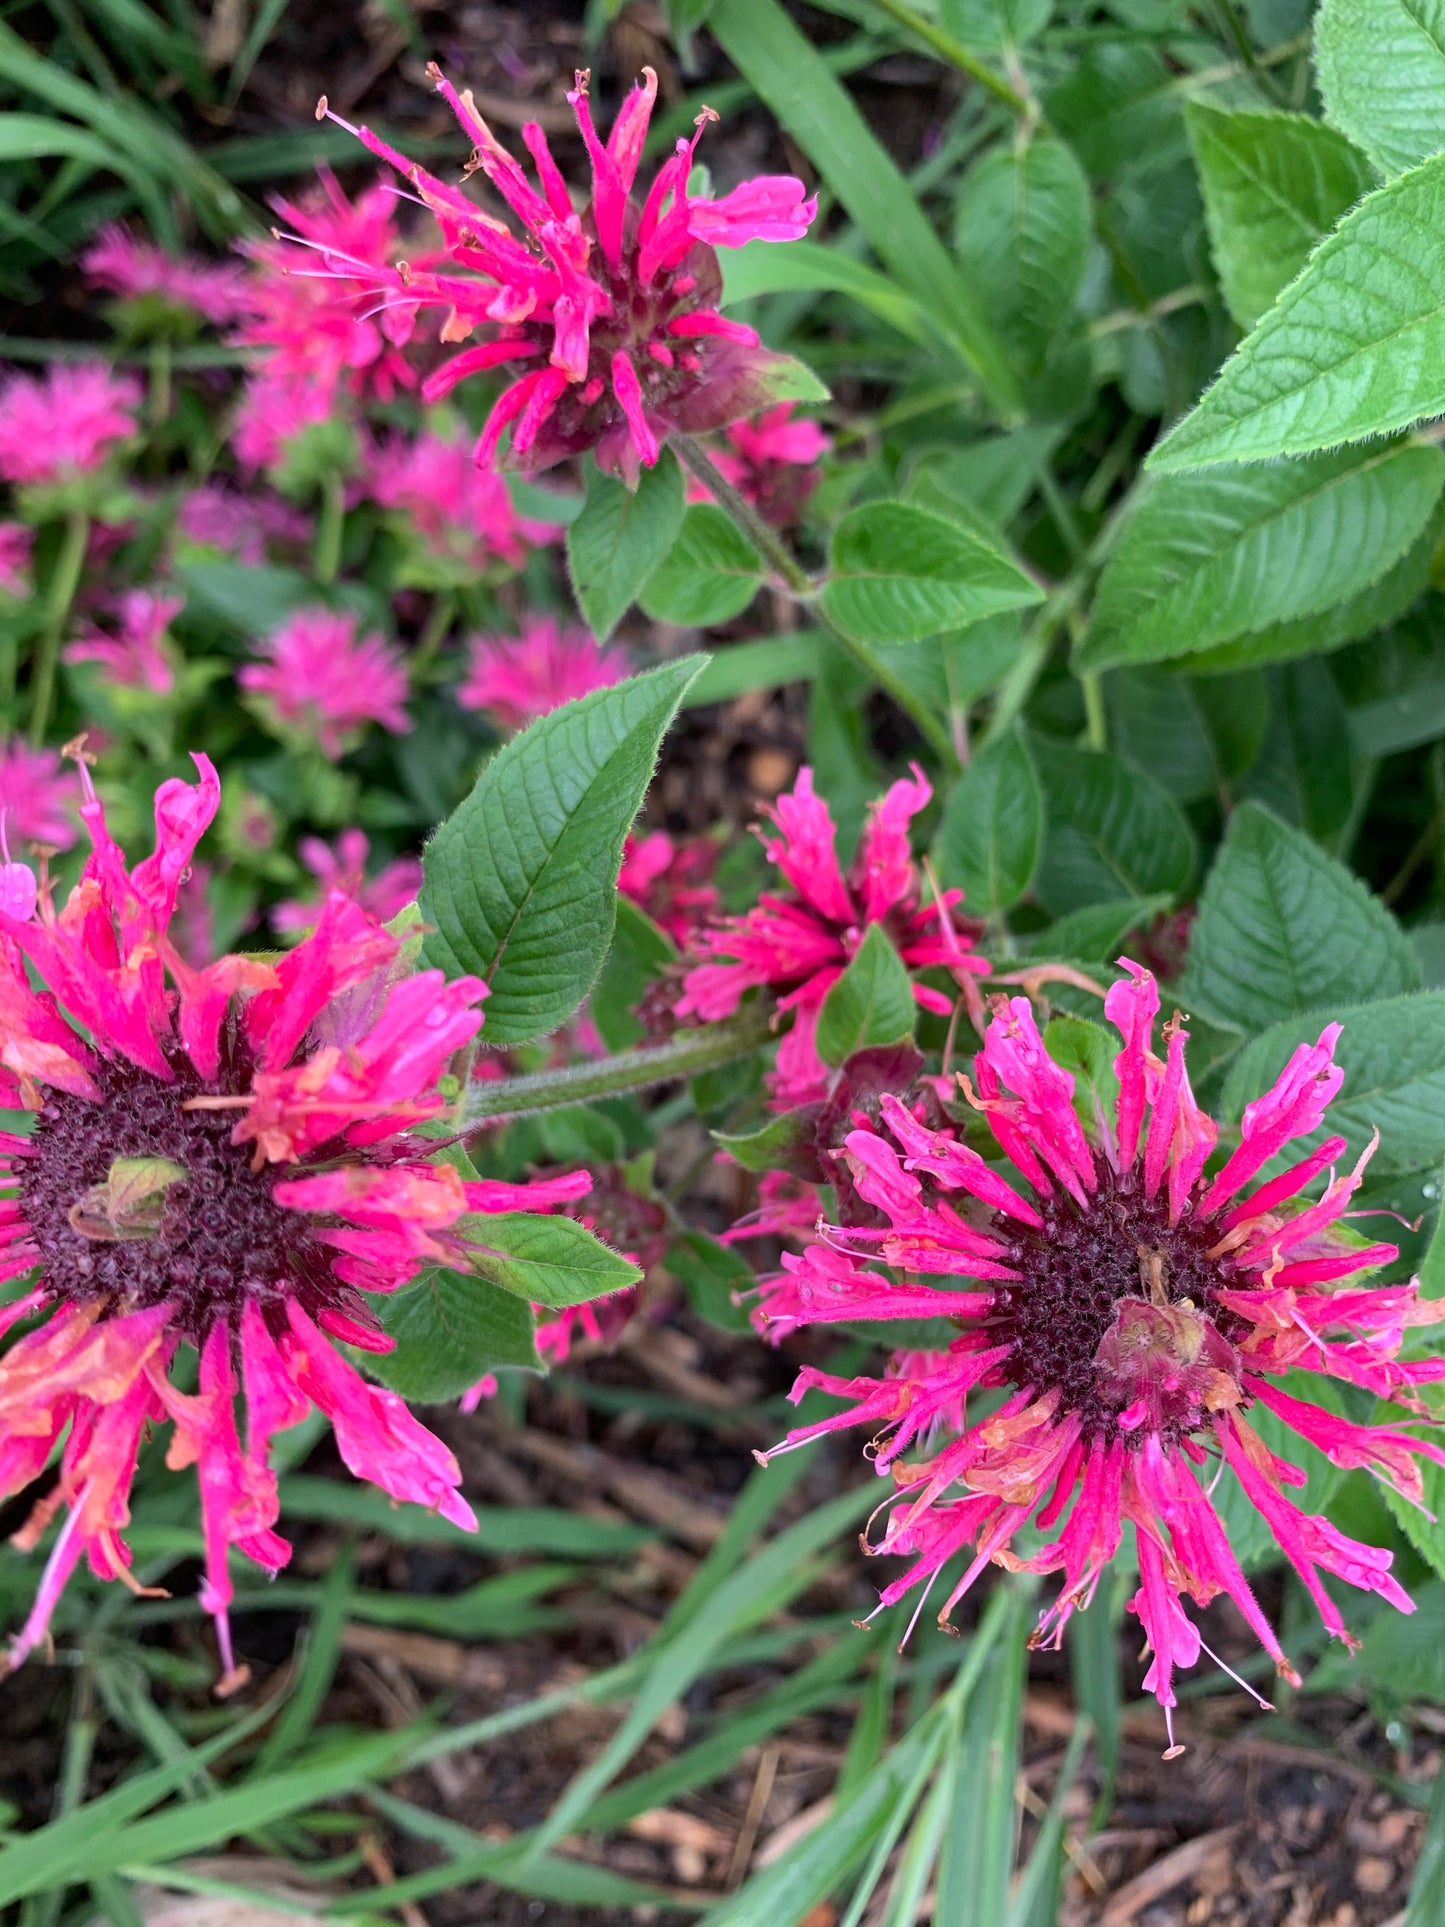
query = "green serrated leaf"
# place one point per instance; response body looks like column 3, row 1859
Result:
column 1393, row 1056
column 1284, row 928
column 620, row 537
column 1274, row 185
column 871, row 1003
column 711, row 1275
column 1383, row 602
column 1024, row 223
column 993, row 825
column 870, row 1008
column 1212, row 556
column 1381, row 67
column 451, row 1329
column 1111, row 831
column 900, row 573
column 1087, row 1051
column 775, row 1146
column 551, row 1261
column 1094, row 933
column 710, row 574
column 1354, row 347
column 520, row 882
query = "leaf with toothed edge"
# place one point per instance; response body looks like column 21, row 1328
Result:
column 520, row 881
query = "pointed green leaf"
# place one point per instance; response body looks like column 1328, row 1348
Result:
column 710, row 574
column 1284, row 928
column 1381, row 67
column 1215, row 555
column 639, row 951
column 1354, row 347
column 1112, row 831
column 1274, row 185
column 1025, row 219
column 520, row 882
column 871, row 1003
column 1393, row 1055
column 993, row 825
column 620, row 537
column 900, row 573
column 451, row 1329
column 551, row 1261
column 776, row 1145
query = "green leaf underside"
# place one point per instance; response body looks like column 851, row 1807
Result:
column 1274, row 185
column 1213, row 556
column 1381, row 67
column 710, row 574
column 900, row 573
column 451, row 1329
column 620, row 538
column 1112, row 831
column 871, row 1003
column 1283, row 929
column 1354, row 347
column 1393, row 1055
column 992, row 831
column 520, row 882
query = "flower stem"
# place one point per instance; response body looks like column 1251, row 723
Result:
column 435, row 630
column 63, row 584
column 159, row 399
column 763, row 536
column 799, row 583
column 684, row 1055
column 957, row 55
column 1096, row 723
column 330, row 526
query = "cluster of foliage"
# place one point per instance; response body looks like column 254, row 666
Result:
column 1087, row 480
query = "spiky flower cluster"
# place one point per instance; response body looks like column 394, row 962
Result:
column 1121, row 1310
column 799, row 944
column 224, row 1156
column 611, row 313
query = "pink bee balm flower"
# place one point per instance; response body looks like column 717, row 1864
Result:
column 324, row 679
column 515, row 679
column 16, row 543
column 772, row 461
column 611, row 312
column 223, row 1157
column 344, row 868
column 133, row 269
column 311, row 342
column 671, row 881
column 138, row 657
column 799, row 944
column 457, row 509
column 64, row 423
column 1129, row 1305
column 38, row 799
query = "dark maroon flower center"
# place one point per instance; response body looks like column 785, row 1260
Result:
column 204, row 1243
column 1118, row 1310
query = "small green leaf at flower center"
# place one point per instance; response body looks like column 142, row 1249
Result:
column 129, row 1203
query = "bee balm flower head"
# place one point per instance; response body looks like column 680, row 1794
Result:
column 608, row 316
column 223, row 1156
column 1129, row 1309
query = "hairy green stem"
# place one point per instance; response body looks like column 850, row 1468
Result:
column 158, row 401
column 763, row 536
column 435, row 629
column 683, row 1055
column 63, row 584
column 957, row 55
